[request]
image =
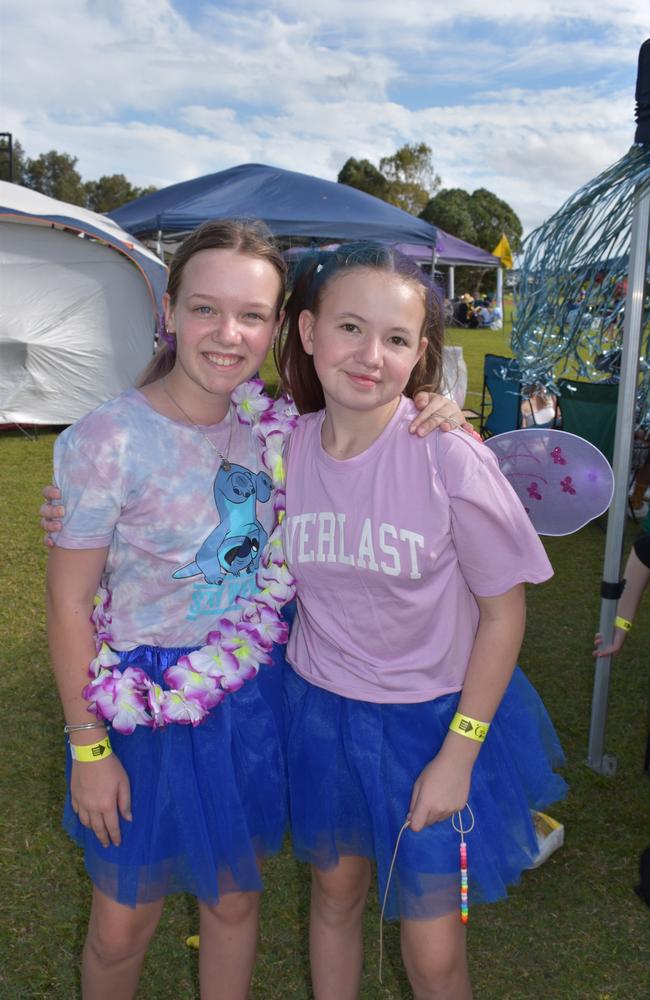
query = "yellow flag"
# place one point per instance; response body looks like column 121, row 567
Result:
column 503, row 251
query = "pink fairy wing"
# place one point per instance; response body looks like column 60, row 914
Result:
column 562, row 480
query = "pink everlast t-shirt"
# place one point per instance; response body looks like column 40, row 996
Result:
column 388, row 549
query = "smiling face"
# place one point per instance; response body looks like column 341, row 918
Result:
column 365, row 338
column 224, row 317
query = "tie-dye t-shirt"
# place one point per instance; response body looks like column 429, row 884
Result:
column 184, row 533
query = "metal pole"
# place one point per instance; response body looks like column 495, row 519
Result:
column 500, row 292
column 596, row 757
column 451, row 289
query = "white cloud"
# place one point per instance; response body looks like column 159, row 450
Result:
column 137, row 88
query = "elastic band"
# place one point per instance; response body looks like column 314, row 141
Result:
column 460, row 828
column 385, row 900
column 611, row 590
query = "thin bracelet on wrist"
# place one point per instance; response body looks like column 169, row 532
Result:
column 77, row 727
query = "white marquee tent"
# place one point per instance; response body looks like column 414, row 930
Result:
column 78, row 306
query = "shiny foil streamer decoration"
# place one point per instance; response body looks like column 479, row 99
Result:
column 570, row 297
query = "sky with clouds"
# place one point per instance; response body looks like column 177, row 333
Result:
column 528, row 98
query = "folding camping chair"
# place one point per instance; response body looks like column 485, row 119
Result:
column 589, row 410
column 502, row 384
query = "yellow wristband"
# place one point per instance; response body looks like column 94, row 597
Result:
column 622, row 623
column 470, row 728
column 95, row 751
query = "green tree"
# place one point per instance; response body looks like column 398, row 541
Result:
column 18, row 158
column 364, row 176
column 479, row 218
column 493, row 217
column 451, row 210
column 406, row 179
column 55, row 174
column 411, row 177
column 111, row 191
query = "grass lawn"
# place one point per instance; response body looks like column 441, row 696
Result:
column 572, row 930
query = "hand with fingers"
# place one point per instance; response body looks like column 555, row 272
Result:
column 438, row 411
column 440, row 790
column 100, row 794
column 612, row 648
column 636, row 578
column 51, row 514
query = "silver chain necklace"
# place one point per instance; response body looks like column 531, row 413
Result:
column 225, row 463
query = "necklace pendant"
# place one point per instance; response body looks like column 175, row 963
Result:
column 225, row 465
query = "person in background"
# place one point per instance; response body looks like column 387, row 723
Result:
column 637, row 576
column 484, row 314
column 538, row 407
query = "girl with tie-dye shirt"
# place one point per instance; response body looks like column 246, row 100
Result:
column 172, row 492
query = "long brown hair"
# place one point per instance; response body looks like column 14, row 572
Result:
column 313, row 273
column 249, row 237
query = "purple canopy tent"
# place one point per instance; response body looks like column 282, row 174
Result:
column 452, row 252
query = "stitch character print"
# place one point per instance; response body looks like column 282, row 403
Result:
column 235, row 545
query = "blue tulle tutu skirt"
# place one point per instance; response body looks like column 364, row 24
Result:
column 351, row 769
column 208, row 803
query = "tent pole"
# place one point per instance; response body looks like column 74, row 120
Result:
column 451, row 288
column 159, row 249
column 597, row 759
column 500, row 291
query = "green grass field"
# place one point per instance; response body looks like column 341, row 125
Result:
column 572, row 930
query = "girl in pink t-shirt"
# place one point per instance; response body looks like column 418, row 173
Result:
column 403, row 704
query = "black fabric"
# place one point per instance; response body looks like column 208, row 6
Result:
column 642, row 549
column 642, row 115
column 611, row 591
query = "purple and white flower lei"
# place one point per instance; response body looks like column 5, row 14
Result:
column 242, row 639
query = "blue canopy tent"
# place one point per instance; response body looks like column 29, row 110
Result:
column 291, row 204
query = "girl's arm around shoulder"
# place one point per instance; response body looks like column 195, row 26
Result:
column 98, row 788
column 436, row 410
column 443, row 786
